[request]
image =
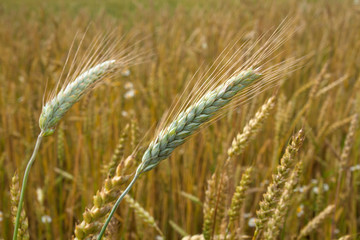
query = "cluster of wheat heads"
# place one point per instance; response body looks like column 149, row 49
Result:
column 103, row 59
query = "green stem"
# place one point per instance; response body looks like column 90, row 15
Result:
column 24, row 183
column 116, row 205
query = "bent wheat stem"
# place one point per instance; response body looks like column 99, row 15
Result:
column 24, row 182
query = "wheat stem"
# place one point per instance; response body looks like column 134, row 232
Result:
column 24, row 183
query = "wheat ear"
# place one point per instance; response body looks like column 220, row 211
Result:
column 239, row 196
column 93, row 217
column 251, row 129
column 55, row 109
column 314, row 223
column 274, row 189
column 142, row 213
column 186, row 124
column 277, row 219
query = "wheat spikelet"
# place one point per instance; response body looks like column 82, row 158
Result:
column 274, row 189
column 279, row 117
column 337, row 125
column 23, row 232
column 278, row 217
column 316, row 221
column 142, row 213
column 251, row 129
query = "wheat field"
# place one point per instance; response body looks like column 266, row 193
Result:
column 281, row 160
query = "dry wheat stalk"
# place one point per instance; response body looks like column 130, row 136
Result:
column 118, row 153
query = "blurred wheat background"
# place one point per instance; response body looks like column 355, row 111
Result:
column 322, row 98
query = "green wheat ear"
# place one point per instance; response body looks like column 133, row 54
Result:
column 57, row 107
column 185, row 124
column 190, row 120
column 54, row 110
